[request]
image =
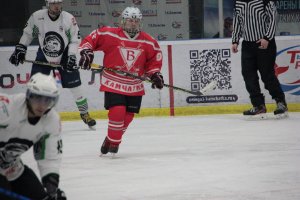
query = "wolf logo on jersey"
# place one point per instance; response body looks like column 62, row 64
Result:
column 53, row 45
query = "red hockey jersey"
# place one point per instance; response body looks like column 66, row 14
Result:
column 140, row 55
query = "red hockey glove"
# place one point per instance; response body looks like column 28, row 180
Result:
column 157, row 80
column 87, row 57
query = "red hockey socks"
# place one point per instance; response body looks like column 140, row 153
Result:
column 128, row 119
column 116, row 116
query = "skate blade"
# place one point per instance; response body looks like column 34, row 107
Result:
column 281, row 116
column 266, row 116
column 262, row 116
column 111, row 155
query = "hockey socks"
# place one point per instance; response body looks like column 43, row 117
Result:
column 128, row 119
column 118, row 122
column 116, row 116
column 82, row 105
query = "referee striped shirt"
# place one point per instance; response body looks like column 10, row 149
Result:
column 253, row 20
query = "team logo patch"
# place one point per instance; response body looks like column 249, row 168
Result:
column 53, row 45
column 130, row 56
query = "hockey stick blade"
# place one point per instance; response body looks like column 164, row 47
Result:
column 212, row 85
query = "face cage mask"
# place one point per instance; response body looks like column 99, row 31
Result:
column 40, row 99
column 131, row 31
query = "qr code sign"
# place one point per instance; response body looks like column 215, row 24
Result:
column 209, row 65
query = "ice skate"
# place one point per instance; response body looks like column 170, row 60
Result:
column 86, row 118
column 256, row 113
column 281, row 111
column 108, row 147
column 113, row 148
column 105, row 146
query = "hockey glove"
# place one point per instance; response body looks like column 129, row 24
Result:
column 50, row 182
column 87, row 57
column 71, row 64
column 18, row 55
column 157, row 80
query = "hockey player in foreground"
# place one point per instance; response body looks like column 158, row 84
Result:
column 125, row 48
column 59, row 37
column 26, row 121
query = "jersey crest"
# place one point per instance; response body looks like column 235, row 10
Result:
column 53, row 45
column 130, row 56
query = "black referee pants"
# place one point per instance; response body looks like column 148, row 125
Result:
column 256, row 60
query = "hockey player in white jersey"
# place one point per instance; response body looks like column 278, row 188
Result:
column 58, row 35
column 28, row 120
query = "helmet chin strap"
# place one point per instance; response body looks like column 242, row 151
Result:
column 132, row 32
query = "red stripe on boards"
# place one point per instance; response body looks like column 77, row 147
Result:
column 171, row 91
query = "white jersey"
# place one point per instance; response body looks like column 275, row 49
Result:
column 53, row 36
column 17, row 136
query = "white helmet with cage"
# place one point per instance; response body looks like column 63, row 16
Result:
column 43, row 86
column 131, row 13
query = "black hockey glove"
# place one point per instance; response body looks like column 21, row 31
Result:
column 157, row 80
column 71, row 64
column 50, row 182
column 18, row 55
column 86, row 59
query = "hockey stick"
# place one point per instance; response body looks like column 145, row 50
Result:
column 209, row 87
column 94, row 66
column 12, row 195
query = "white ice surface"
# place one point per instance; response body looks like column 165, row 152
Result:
column 216, row 157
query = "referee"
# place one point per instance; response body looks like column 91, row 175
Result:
column 254, row 21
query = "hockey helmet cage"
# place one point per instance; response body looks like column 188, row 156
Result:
column 131, row 13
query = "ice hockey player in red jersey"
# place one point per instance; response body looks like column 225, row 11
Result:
column 129, row 49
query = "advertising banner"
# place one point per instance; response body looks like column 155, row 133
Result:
column 190, row 65
column 163, row 20
column 203, row 61
column 288, row 17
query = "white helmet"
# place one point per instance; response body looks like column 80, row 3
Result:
column 44, row 86
column 132, row 13
column 52, row 1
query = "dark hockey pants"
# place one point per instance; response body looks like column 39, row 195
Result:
column 27, row 185
column 263, row 61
